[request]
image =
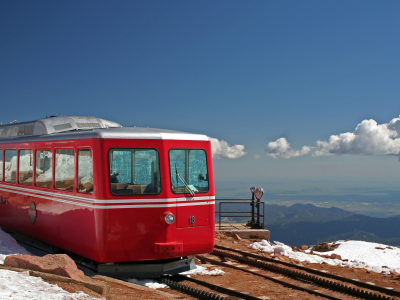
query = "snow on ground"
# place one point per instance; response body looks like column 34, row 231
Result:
column 20, row 286
column 200, row 270
column 149, row 283
column 371, row 256
column 9, row 246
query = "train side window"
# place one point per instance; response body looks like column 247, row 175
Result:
column 85, row 171
column 135, row 171
column 44, row 168
column 25, row 167
column 1, row 165
column 188, row 169
column 10, row 171
column 65, row 169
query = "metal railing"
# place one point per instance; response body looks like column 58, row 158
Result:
column 254, row 222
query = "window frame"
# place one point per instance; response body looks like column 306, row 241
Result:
column 128, row 149
column 77, row 170
column 19, row 166
column 51, row 163
column 170, row 175
column 2, row 165
column 54, row 181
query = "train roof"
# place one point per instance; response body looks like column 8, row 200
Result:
column 74, row 127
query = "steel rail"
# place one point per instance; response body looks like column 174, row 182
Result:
column 284, row 283
column 306, row 277
column 211, row 286
column 317, row 272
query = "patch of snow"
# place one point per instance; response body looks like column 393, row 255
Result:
column 200, row 270
column 371, row 256
column 8, row 245
column 149, row 283
column 21, row 286
column 263, row 246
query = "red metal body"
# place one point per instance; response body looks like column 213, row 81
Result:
column 106, row 227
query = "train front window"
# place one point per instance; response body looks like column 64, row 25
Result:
column 135, row 171
column 189, row 173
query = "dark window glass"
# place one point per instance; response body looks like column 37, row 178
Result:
column 85, row 171
column 44, row 168
column 65, row 169
column 135, row 171
column 10, row 171
column 1, row 165
column 188, row 168
column 25, row 167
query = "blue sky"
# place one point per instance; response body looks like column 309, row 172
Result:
column 246, row 72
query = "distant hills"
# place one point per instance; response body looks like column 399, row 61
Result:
column 329, row 224
column 279, row 214
column 307, row 224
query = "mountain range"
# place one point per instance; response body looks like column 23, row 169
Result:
column 307, row 224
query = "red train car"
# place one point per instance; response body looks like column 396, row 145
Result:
column 138, row 202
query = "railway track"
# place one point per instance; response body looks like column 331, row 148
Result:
column 300, row 277
column 293, row 276
column 174, row 282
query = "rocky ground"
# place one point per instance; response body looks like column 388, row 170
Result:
column 231, row 279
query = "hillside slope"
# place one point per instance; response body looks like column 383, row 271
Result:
column 356, row 227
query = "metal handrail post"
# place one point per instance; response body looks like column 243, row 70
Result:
column 263, row 223
column 258, row 212
column 220, row 215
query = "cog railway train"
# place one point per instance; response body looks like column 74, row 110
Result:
column 134, row 202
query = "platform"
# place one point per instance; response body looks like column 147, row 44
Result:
column 243, row 231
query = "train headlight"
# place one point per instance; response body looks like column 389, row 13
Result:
column 169, row 218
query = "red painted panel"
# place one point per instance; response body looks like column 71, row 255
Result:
column 193, row 216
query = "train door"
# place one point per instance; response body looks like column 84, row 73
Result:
column 189, row 181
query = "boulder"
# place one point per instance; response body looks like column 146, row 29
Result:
column 323, row 247
column 58, row 264
column 335, row 256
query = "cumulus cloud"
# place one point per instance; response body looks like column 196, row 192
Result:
column 369, row 138
column 221, row 149
column 281, row 147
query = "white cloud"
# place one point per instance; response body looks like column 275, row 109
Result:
column 369, row 138
column 221, row 149
column 257, row 156
column 281, row 147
